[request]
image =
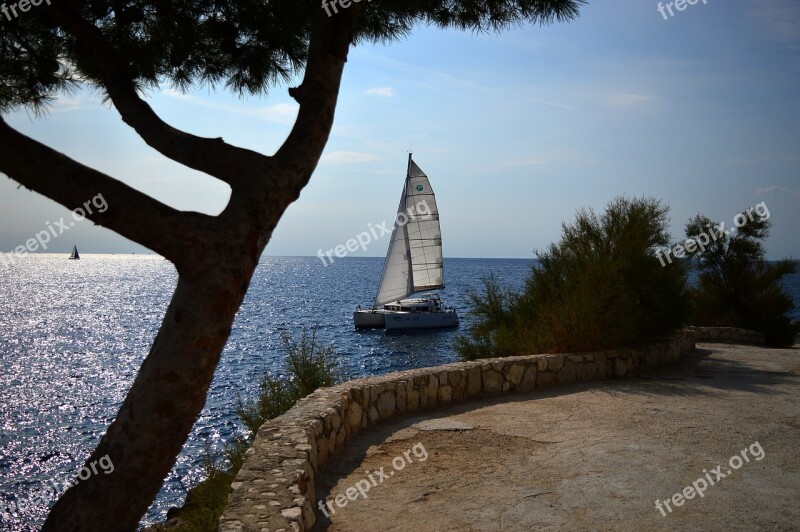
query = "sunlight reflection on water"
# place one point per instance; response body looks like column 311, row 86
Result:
column 74, row 333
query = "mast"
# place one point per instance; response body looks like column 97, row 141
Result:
column 410, row 277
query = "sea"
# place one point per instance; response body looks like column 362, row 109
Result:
column 74, row 333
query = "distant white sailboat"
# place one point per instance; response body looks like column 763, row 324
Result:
column 413, row 263
column 75, row 255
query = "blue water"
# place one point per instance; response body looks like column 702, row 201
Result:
column 73, row 334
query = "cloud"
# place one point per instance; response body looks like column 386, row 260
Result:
column 779, row 19
column 172, row 93
column 279, row 113
column 432, row 77
column 338, row 157
column 561, row 159
column 387, row 92
column 502, row 166
column 65, row 103
column 764, row 191
column 627, row 100
column 543, row 102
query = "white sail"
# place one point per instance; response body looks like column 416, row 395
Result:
column 424, row 233
column 395, row 281
column 414, row 259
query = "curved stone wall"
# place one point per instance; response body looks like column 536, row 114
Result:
column 274, row 490
column 728, row 335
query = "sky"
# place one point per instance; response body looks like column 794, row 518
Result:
column 516, row 131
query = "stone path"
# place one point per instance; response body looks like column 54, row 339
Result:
column 590, row 457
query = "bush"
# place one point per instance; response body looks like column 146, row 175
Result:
column 207, row 500
column 600, row 286
column 275, row 397
column 736, row 285
column 308, row 366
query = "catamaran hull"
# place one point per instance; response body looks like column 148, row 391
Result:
column 397, row 321
column 366, row 319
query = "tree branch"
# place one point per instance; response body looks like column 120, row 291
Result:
column 318, row 93
column 132, row 214
column 214, row 157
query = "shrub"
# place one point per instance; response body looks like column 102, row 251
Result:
column 736, row 286
column 307, row 366
column 600, row 286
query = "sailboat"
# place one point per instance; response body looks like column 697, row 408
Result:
column 75, row 255
column 413, row 264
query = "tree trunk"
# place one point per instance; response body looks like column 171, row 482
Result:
column 159, row 411
column 215, row 256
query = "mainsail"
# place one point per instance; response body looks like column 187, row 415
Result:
column 414, row 260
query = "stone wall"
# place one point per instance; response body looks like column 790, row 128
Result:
column 274, row 490
column 728, row 335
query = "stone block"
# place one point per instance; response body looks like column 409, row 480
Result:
column 386, row 404
column 568, row 373
column 354, row 416
column 600, row 364
column 445, row 394
column 412, row 400
column 431, row 391
column 341, row 436
column 555, row 363
column 401, row 397
column 545, row 379
column 492, row 381
column 586, row 371
column 620, row 367
column 575, row 359
column 358, row 395
column 514, row 375
column 528, row 381
column 541, row 363
column 458, row 392
column 474, row 384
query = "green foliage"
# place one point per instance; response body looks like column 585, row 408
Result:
column 245, row 46
column 600, row 286
column 308, row 366
column 737, row 287
column 311, row 365
column 495, row 327
column 275, row 397
column 207, row 500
